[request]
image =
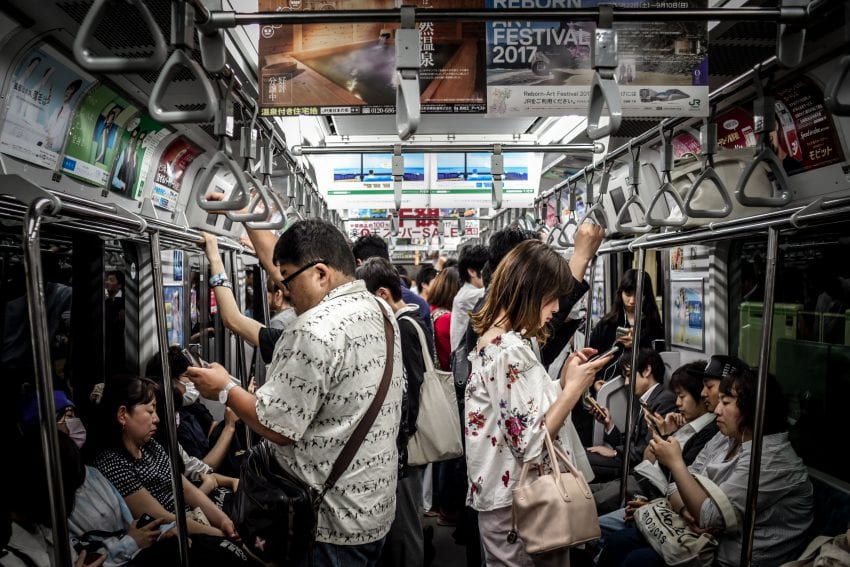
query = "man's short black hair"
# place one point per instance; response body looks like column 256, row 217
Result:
column 502, row 242
column 378, row 273
column 119, row 275
column 370, row 246
column 311, row 240
column 425, row 275
column 472, row 257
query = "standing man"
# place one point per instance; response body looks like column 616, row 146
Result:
column 323, row 376
column 372, row 246
column 469, row 264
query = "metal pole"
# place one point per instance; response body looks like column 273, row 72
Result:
column 204, row 307
column 168, row 399
column 634, row 370
column 748, row 531
column 589, row 308
column 222, row 19
column 44, row 391
column 444, row 148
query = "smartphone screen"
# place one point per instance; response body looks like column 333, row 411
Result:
column 616, row 349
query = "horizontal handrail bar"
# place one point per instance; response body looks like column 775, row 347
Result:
column 729, row 229
column 229, row 19
column 444, row 149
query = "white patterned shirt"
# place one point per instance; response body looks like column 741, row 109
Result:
column 323, row 376
column 507, row 397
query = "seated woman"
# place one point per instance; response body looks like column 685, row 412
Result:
column 784, row 503
column 216, row 443
column 139, row 466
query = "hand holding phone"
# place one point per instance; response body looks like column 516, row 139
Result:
column 144, row 520
column 615, row 350
column 192, row 359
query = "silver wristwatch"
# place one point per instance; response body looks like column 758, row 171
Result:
column 222, row 396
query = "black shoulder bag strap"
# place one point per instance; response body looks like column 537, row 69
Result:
column 356, row 439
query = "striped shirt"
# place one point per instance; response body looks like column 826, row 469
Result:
column 784, row 509
column 323, row 376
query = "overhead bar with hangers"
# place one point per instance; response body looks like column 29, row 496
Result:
column 230, row 19
column 445, row 149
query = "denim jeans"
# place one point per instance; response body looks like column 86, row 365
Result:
column 331, row 555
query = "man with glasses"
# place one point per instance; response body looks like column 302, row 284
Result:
column 323, row 376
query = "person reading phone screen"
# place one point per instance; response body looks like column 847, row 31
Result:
column 606, row 460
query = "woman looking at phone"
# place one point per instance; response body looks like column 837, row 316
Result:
column 510, row 397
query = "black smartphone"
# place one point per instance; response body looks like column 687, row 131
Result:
column 193, row 359
column 622, row 332
column 144, row 520
column 615, row 350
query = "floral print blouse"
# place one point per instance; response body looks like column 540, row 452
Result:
column 507, row 396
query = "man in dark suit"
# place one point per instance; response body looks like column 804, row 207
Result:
column 607, row 460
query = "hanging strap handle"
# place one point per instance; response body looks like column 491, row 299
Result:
column 356, row 439
column 708, row 146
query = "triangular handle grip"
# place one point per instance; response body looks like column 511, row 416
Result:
column 631, row 229
column 238, row 197
column 254, row 212
column 172, row 67
column 708, row 174
column 838, row 85
column 783, row 197
column 669, row 220
column 91, row 62
column 271, row 224
column 602, row 92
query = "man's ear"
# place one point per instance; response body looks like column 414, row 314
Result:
column 384, row 294
column 472, row 273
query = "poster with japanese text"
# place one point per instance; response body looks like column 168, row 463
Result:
column 465, row 179
column 173, row 162
column 330, row 69
column 545, row 68
column 804, row 136
column 95, row 135
column 174, row 314
column 687, row 319
column 42, row 97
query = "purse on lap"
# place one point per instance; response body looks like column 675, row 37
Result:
column 555, row 510
column 671, row 536
column 275, row 512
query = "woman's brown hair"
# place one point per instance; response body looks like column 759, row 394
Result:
column 531, row 275
column 443, row 288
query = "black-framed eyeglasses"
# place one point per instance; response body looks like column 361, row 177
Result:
column 288, row 279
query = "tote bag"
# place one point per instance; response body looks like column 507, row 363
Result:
column 671, row 536
column 555, row 510
column 437, row 436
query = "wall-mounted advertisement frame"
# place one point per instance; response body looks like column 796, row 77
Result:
column 688, row 315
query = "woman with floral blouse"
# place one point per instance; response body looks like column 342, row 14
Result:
column 510, row 398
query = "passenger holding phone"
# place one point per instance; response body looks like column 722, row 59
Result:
column 607, row 460
column 610, row 329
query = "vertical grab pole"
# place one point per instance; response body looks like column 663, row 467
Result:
column 589, row 308
column 749, row 526
column 171, row 428
column 41, row 358
column 635, row 347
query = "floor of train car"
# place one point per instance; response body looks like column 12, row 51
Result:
column 448, row 553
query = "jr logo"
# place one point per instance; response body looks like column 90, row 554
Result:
column 695, row 103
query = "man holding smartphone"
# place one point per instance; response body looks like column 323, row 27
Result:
column 607, row 460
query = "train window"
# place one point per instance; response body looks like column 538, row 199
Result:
column 810, row 344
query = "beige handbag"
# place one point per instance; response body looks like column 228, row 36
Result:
column 555, row 510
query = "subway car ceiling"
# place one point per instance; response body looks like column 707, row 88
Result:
column 302, row 158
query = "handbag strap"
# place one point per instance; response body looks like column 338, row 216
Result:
column 429, row 364
column 730, row 517
column 356, row 439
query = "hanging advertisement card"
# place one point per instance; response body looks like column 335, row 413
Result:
column 42, row 97
column 330, row 69
column 135, row 152
column 174, row 314
column 466, row 180
column 366, row 179
column 687, row 319
column 804, row 137
column 545, row 68
column 169, row 172
column 95, row 136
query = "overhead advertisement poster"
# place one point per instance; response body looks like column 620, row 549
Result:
column 366, row 179
column 135, row 152
column 95, row 136
column 465, row 180
column 333, row 69
column 43, row 95
column 173, row 163
column 545, row 68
